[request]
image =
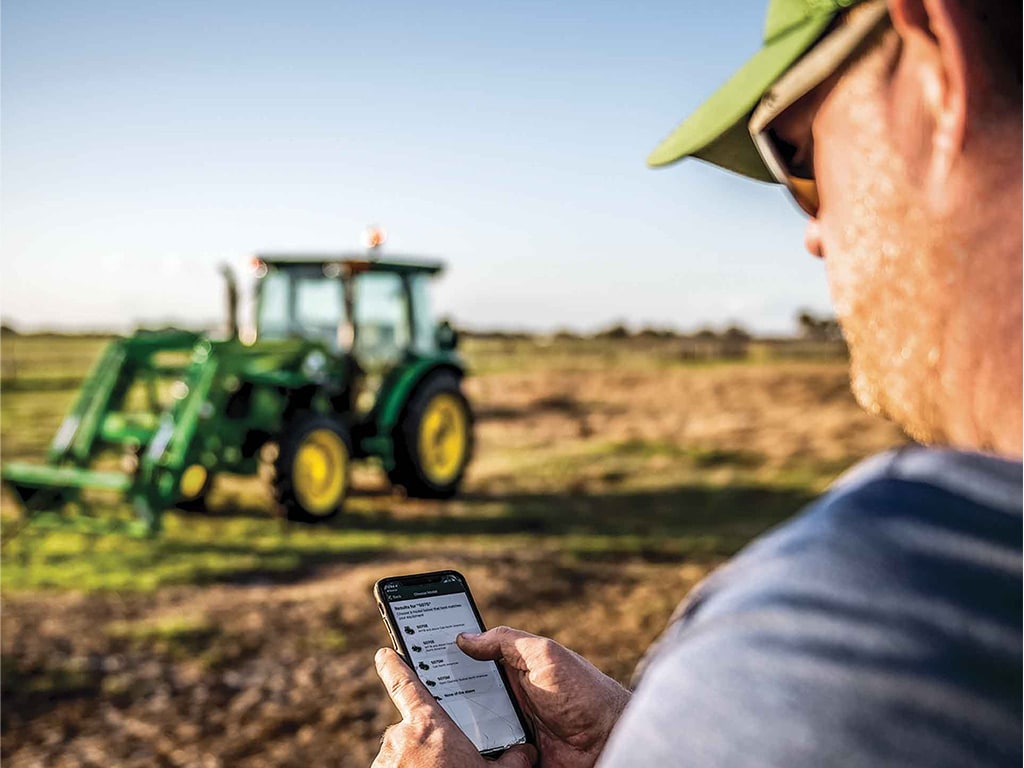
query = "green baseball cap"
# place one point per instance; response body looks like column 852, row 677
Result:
column 717, row 132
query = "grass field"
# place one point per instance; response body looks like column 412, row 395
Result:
column 609, row 477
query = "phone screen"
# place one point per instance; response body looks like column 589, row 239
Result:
column 425, row 617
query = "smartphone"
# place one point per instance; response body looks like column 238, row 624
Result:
column 423, row 614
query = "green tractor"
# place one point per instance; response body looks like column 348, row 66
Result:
column 344, row 362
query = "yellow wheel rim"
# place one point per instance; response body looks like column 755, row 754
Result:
column 193, row 480
column 443, row 439
column 319, row 472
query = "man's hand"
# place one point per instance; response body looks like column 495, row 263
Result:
column 572, row 703
column 427, row 737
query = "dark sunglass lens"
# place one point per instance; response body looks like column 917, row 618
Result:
column 785, row 150
column 803, row 161
column 797, row 160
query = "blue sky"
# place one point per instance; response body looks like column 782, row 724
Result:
column 145, row 143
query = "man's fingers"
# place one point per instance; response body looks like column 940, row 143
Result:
column 519, row 756
column 494, row 644
column 405, row 690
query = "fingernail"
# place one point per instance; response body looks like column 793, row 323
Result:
column 378, row 658
column 468, row 636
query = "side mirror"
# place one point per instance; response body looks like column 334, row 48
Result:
column 446, row 336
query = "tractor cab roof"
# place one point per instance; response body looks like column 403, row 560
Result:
column 353, row 262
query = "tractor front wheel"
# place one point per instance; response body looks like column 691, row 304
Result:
column 311, row 472
column 433, row 439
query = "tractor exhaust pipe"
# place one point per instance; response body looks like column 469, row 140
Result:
column 232, row 296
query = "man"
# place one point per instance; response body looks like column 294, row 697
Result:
column 883, row 625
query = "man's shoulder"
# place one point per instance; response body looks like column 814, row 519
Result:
column 899, row 524
column 936, row 488
column 978, row 478
column 882, row 624
column 913, row 505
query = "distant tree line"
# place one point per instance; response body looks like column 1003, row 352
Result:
column 815, row 336
column 705, row 342
column 808, row 326
column 818, row 328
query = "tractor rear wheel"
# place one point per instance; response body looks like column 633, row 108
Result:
column 311, row 472
column 433, row 439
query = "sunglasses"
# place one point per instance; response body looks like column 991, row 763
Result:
column 792, row 165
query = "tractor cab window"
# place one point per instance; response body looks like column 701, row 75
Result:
column 424, row 328
column 296, row 305
column 319, row 309
column 273, row 320
column 381, row 319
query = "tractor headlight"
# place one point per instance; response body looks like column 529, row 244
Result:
column 315, row 365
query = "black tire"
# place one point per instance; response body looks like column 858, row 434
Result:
column 196, row 505
column 410, row 471
column 294, row 488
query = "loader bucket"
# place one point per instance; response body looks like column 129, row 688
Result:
column 101, row 421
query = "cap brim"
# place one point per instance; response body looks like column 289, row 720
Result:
column 717, row 132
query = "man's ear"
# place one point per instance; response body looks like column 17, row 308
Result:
column 938, row 51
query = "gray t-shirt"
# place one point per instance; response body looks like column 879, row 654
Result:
column 880, row 627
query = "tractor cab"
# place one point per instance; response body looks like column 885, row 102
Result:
column 378, row 311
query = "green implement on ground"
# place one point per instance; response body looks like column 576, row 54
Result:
column 344, row 362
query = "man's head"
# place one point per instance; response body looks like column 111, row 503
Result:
column 914, row 142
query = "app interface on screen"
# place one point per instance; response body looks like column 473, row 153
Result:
column 429, row 616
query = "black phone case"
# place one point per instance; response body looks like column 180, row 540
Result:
column 399, row 644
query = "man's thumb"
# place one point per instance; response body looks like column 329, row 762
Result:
column 519, row 756
column 484, row 646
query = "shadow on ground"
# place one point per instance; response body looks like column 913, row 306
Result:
column 726, row 517
column 246, row 546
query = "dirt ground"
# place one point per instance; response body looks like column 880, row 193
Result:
column 292, row 682
column 276, row 669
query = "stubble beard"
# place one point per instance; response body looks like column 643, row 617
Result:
column 887, row 278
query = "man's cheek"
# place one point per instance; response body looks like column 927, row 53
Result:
column 841, row 281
